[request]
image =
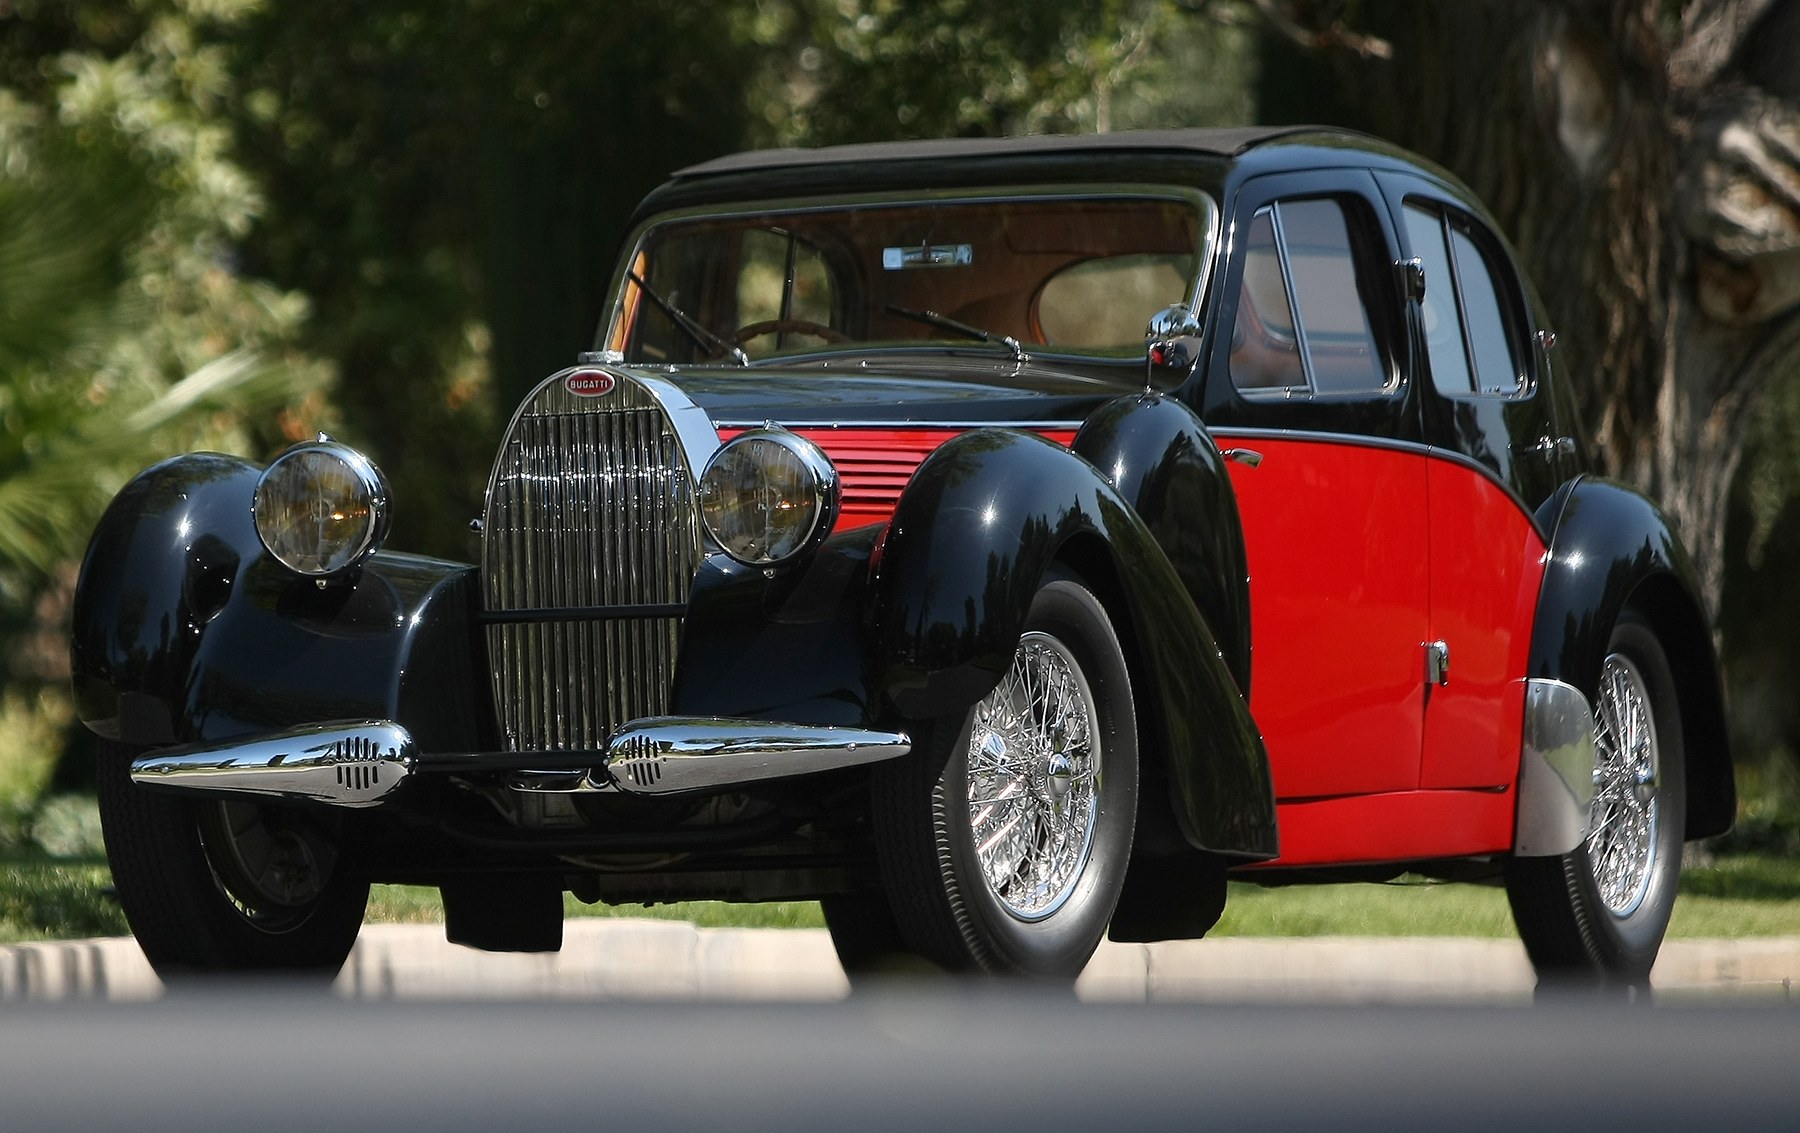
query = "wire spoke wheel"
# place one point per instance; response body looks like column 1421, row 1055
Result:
column 1623, row 822
column 1004, row 837
column 1034, row 765
column 1599, row 913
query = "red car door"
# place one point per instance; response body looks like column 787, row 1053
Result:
column 1487, row 556
column 1331, row 488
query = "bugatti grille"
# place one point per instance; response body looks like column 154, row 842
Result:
column 592, row 535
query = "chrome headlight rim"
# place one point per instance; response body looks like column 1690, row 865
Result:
column 370, row 485
column 825, row 493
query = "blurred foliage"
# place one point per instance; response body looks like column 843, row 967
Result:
column 126, row 330
column 31, row 728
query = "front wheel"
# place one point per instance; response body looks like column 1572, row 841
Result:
column 227, row 886
column 1600, row 912
column 1004, row 836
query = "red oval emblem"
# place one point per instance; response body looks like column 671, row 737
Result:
column 590, row 383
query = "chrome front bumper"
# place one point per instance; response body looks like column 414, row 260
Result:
column 361, row 763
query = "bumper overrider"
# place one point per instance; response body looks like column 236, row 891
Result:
column 362, row 763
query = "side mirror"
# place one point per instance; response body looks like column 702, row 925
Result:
column 1172, row 341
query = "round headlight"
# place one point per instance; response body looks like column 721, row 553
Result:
column 769, row 495
column 321, row 508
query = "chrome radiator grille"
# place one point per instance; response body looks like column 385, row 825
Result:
column 590, row 519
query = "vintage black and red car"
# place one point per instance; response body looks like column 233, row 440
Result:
column 1003, row 542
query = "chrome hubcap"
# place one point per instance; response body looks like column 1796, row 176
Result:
column 1622, row 824
column 1034, row 776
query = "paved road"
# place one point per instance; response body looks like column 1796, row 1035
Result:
column 648, row 1025
column 625, row 959
column 943, row 1058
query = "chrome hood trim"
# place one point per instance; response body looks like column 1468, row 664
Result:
column 348, row 764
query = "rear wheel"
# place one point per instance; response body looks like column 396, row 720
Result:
column 1004, row 836
column 1600, row 912
column 223, row 886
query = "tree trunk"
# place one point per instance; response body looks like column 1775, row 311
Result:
column 1647, row 173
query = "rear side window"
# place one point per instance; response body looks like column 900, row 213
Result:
column 1302, row 324
column 1468, row 338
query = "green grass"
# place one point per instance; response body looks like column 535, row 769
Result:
column 1742, row 895
column 44, row 899
column 1739, row 895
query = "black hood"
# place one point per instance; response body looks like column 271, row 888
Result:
column 923, row 390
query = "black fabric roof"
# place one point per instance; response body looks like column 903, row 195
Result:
column 1217, row 142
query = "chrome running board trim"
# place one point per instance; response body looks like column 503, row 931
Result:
column 348, row 764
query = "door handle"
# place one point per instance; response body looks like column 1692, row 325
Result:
column 1549, row 447
column 1248, row 457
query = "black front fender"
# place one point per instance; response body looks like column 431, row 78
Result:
column 186, row 631
column 1158, row 455
column 1611, row 548
column 971, row 538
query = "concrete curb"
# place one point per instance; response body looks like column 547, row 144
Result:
column 621, row 958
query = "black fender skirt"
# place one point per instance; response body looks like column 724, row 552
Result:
column 1611, row 548
column 185, row 631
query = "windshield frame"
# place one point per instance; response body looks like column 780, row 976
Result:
column 611, row 327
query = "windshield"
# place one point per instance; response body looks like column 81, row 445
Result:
column 1056, row 274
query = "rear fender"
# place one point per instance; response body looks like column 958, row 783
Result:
column 1611, row 548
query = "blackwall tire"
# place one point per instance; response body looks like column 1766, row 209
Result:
column 866, row 937
column 1599, row 914
column 1004, row 836
column 217, row 887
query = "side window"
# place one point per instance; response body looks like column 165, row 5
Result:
column 1467, row 339
column 1302, row 325
column 1265, row 351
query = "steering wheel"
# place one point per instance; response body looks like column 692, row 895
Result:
column 787, row 326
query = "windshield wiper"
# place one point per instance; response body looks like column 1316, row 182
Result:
column 702, row 337
column 945, row 322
